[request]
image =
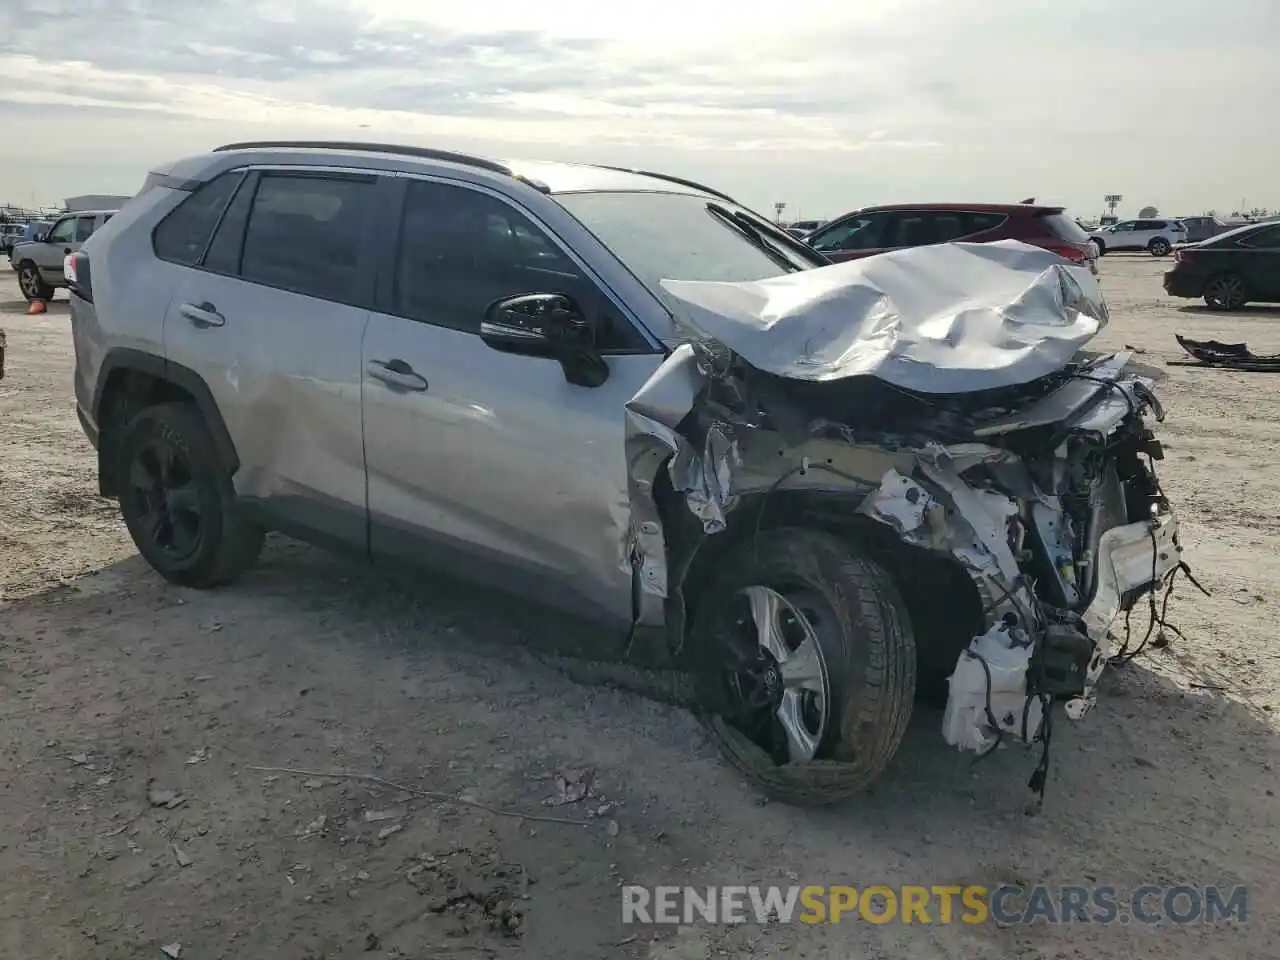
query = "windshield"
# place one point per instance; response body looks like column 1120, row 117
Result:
column 678, row 236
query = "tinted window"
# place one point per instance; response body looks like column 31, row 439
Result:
column 460, row 250
column 84, row 228
column 1064, row 228
column 63, row 231
column 862, row 232
column 305, row 233
column 1150, row 225
column 183, row 235
column 223, row 255
column 1268, row 238
column 980, row 222
column 912, row 230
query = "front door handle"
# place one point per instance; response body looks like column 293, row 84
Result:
column 396, row 373
column 202, row 315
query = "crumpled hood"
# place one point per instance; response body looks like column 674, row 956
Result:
column 950, row 318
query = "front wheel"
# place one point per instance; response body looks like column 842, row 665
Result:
column 177, row 500
column 32, row 285
column 807, row 665
column 1159, row 247
column 1225, row 292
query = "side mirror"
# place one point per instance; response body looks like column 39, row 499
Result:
column 41, row 237
column 550, row 326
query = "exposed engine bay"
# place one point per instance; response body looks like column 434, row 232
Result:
column 1041, row 488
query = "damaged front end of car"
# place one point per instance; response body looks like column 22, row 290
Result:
column 936, row 407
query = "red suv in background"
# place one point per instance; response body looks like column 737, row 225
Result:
column 879, row 229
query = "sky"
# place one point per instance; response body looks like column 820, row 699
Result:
column 824, row 105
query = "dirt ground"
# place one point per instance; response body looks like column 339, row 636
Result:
column 135, row 714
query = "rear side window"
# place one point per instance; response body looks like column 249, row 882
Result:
column 1064, row 228
column 183, row 235
column 981, row 222
column 1268, row 238
column 305, row 234
column 1151, row 225
column 223, row 255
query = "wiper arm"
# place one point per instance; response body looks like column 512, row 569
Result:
column 746, row 228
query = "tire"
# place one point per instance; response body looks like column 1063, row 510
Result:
column 190, row 504
column 1159, row 247
column 868, row 651
column 32, row 285
column 1226, row 291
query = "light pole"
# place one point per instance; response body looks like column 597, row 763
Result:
column 777, row 210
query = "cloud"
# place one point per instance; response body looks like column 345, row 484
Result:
column 841, row 102
column 343, row 64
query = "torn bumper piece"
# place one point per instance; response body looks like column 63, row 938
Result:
column 992, row 692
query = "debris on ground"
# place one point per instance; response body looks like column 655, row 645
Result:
column 158, row 797
column 181, row 856
column 377, row 816
column 200, row 756
column 1233, row 356
column 572, row 786
column 172, row 950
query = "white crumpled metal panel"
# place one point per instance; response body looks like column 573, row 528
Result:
column 950, row 318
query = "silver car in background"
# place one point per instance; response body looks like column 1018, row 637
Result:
column 563, row 381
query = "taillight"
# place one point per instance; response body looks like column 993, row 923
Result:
column 75, row 268
column 1181, row 256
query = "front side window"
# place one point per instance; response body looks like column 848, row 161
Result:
column 461, row 250
column 305, row 233
column 860, row 232
column 64, row 231
column 84, row 228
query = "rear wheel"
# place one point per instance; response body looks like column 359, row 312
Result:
column 177, row 501
column 1159, row 247
column 807, row 666
column 1226, row 291
column 32, row 285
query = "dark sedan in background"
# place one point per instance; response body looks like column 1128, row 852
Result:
column 874, row 230
column 1230, row 269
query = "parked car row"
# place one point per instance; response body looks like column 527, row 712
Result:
column 876, row 229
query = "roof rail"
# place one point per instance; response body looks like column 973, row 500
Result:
column 426, row 153
column 693, row 184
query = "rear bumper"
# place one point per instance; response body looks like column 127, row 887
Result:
column 1179, row 283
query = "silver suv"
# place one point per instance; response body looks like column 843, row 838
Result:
column 477, row 366
column 39, row 261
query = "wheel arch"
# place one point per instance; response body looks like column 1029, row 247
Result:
column 130, row 380
column 940, row 597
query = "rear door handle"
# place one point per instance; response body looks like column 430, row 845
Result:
column 396, row 373
column 202, row 315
